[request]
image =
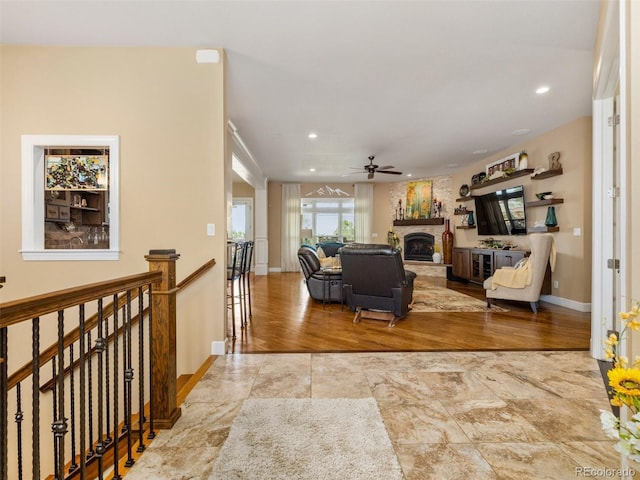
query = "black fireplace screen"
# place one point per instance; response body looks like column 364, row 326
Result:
column 418, row 246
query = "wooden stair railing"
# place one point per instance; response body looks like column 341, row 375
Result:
column 97, row 390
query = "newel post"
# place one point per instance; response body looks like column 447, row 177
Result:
column 163, row 344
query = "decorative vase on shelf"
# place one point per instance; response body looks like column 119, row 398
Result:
column 523, row 161
column 551, row 220
column 437, row 257
column 470, row 220
column 447, row 243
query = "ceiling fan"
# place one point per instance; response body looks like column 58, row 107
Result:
column 371, row 169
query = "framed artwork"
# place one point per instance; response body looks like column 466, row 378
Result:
column 76, row 172
column 57, row 197
column 419, row 198
column 509, row 163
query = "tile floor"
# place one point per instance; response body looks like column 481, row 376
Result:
column 475, row 415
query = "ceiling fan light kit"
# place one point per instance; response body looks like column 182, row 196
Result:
column 372, row 168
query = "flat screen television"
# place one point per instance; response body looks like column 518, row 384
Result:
column 501, row 212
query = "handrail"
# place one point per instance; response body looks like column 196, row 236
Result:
column 196, row 274
column 23, row 372
column 17, row 311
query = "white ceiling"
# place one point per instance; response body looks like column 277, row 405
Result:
column 420, row 84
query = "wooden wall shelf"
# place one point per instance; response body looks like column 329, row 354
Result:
column 542, row 203
column 542, row 229
column 420, row 221
column 547, row 174
column 465, row 227
column 464, row 199
column 516, row 174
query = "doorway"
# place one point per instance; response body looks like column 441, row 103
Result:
column 242, row 219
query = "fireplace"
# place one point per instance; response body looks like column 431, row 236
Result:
column 418, row 246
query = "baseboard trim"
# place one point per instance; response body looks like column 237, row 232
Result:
column 219, row 348
column 565, row 302
column 261, row 270
column 275, row 269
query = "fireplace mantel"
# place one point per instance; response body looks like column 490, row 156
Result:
column 421, row 221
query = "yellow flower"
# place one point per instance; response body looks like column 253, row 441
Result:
column 608, row 353
column 636, row 361
column 625, row 381
column 616, row 402
column 623, row 361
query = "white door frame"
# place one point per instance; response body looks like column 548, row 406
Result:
column 609, row 165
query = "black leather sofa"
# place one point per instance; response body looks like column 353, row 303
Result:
column 325, row 286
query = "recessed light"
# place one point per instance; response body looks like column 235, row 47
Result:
column 453, row 165
column 480, row 152
column 409, row 174
column 543, row 89
column 312, row 169
column 521, row 131
column 313, row 135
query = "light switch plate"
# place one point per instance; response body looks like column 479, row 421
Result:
column 211, row 229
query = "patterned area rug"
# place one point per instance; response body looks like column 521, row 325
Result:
column 431, row 298
column 300, row 439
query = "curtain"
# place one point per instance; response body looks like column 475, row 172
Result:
column 363, row 212
column 290, row 227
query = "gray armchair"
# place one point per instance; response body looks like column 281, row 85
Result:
column 375, row 283
column 325, row 286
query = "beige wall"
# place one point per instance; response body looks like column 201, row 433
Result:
column 244, row 190
column 170, row 116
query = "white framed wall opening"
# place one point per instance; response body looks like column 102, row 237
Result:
column 70, row 197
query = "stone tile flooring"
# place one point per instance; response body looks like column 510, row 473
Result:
column 475, row 415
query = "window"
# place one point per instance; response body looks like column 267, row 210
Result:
column 70, row 197
column 325, row 219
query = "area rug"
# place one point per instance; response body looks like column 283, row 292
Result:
column 431, row 298
column 307, row 439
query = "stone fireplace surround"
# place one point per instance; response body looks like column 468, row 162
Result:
column 442, row 190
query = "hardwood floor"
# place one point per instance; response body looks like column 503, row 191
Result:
column 286, row 319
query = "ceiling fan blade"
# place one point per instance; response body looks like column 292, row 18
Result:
column 386, row 167
column 370, row 176
column 393, row 172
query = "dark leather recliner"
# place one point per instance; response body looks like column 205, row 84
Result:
column 374, row 278
column 321, row 285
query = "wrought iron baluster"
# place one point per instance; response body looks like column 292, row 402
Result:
column 116, row 397
column 72, row 382
column 19, row 417
column 152, row 433
column 83, row 386
column 128, row 378
column 100, row 348
column 4, row 405
column 91, row 452
column 107, row 390
column 141, row 445
column 59, row 426
column 54, row 396
column 35, row 398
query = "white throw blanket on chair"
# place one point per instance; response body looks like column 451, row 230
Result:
column 518, row 277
